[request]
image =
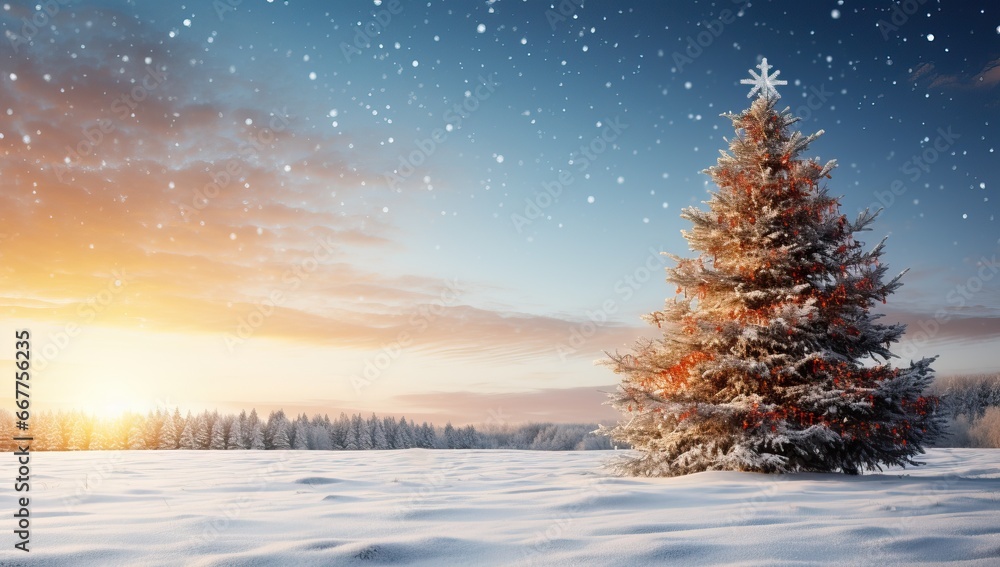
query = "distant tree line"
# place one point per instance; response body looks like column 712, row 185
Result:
column 971, row 402
column 164, row 430
column 973, row 405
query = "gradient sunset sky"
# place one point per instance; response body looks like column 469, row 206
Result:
column 329, row 206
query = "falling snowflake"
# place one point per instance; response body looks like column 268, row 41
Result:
column 764, row 82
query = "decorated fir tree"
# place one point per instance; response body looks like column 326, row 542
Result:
column 771, row 359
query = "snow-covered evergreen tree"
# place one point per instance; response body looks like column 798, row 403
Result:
column 203, row 435
column 217, row 437
column 252, row 424
column 300, row 439
column 377, row 429
column 274, row 419
column 279, row 439
column 340, row 432
column 235, row 439
column 363, row 434
column 188, row 437
column 404, row 435
column 292, row 431
column 771, row 359
column 391, row 430
column 136, row 436
column 450, row 437
column 467, row 437
column 428, row 436
column 178, row 421
column 320, row 437
column 116, row 436
column 102, row 435
column 7, row 431
column 153, row 425
column 79, row 438
column 45, row 432
column 256, row 435
column 64, row 428
column 168, row 435
column 351, row 442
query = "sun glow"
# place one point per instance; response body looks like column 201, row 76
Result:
column 105, row 371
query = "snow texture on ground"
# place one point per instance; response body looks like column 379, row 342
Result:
column 441, row 508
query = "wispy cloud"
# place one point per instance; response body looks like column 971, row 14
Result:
column 985, row 78
column 119, row 161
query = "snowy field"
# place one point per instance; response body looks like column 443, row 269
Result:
column 439, row 508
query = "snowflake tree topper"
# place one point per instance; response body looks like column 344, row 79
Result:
column 764, row 82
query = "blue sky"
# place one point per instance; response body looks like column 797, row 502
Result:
column 532, row 82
